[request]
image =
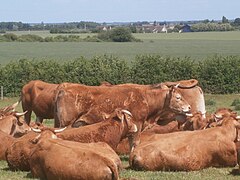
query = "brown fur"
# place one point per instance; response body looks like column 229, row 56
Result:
column 55, row 159
column 188, row 150
column 5, row 141
column 38, row 96
column 110, row 131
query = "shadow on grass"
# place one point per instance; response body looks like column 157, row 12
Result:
column 235, row 172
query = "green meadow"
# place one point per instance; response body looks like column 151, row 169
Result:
column 195, row 45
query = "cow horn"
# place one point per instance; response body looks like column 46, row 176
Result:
column 189, row 114
column 59, row 130
column 217, row 117
column 20, row 114
column 127, row 112
column 36, row 130
column 177, row 85
column 15, row 105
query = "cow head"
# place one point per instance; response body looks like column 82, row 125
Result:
column 45, row 133
column 224, row 112
column 126, row 119
column 175, row 102
column 14, row 124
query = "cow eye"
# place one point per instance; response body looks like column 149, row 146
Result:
column 178, row 97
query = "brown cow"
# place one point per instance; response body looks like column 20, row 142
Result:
column 54, row 159
column 91, row 104
column 189, row 150
column 5, row 141
column 189, row 90
column 11, row 122
column 38, row 96
column 17, row 154
column 111, row 131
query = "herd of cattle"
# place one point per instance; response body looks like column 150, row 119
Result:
column 161, row 127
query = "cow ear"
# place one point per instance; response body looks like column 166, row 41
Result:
column 237, row 124
column 119, row 114
column 132, row 127
column 35, row 140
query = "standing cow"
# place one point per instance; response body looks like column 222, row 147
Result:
column 91, row 104
column 38, row 96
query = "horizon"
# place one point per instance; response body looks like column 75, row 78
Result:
column 101, row 11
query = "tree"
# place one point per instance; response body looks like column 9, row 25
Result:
column 121, row 34
column 224, row 20
column 236, row 22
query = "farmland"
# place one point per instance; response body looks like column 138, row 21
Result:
column 195, row 45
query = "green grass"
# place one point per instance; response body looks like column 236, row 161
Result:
column 196, row 45
column 205, row 174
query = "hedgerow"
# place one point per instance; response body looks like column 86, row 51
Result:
column 217, row 74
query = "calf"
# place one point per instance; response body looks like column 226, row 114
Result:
column 55, row 159
column 188, row 150
column 111, row 131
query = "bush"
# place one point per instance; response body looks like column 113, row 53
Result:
column 235, row 102
column 119, row 34
column 237, row 107
column 10, row 36
column 210, row 102
column 30, row 38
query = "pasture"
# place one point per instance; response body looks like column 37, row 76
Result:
column 195, row 45
column 209, row 173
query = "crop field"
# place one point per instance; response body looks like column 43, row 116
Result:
column 229, row 173
column 195, row 45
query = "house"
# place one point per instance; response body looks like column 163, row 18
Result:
column 185, row 28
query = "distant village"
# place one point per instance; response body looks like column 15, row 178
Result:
column 136, row 27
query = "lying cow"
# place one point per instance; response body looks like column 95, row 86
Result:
column 5, row 141
column 38, row 96
column 54, row 159
column 12, row 123
column 111, row 131
column 190, row 124
column 189, row 150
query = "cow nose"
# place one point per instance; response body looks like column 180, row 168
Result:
column 186, row 108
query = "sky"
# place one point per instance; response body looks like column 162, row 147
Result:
column 57, row 11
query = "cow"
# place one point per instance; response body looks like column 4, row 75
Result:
column 118, row 126
column 54, row 159
column 189, row 90
column 5, row 141
column 188, row 150
column 38, row 96
column 91, row 104
column 123, row 147
column 17, row 154
column 191, row 123
column 11, row 121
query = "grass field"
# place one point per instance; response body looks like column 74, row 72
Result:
column 206, row 174
column 196, row 45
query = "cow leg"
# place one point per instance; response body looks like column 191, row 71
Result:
column 27, row 116
column 39, row 119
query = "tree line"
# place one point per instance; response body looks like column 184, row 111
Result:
column 217, row 74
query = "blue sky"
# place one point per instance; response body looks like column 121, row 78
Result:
column 49, row 11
